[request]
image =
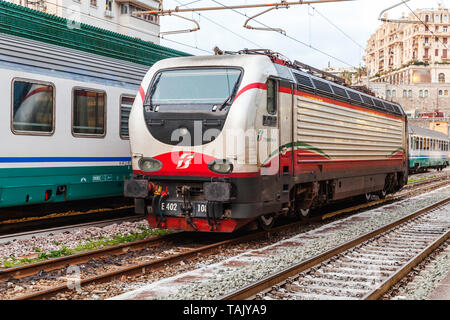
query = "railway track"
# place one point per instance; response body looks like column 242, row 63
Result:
column 9, row 227
column 364, row 268
column 142, row 268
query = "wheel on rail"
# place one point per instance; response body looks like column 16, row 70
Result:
column 366, row 197
column 266, row 222
column 304, row 214
column 382, row 194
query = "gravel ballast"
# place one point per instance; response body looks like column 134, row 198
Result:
column 211, row 282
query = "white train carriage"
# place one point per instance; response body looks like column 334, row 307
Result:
column 428, row 149
column 64, row 122
column 219, row 141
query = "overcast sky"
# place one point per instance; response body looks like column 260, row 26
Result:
column 358, row 19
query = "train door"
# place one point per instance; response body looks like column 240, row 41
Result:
column 286, row 149
column 285, row 129
column 268, row 142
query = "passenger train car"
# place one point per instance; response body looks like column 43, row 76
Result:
column 63, row 122
column 428, row 149
column 220, row 141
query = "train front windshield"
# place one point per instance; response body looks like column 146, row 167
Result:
column 194, row 86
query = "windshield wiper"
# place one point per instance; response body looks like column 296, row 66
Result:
column 229, row 97
column 152, row 90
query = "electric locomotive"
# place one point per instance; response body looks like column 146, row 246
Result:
column 220, row 141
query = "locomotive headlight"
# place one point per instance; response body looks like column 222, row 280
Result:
column 221, row 166
column 150, row 164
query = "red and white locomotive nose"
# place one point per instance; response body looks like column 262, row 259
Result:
column 220, row 141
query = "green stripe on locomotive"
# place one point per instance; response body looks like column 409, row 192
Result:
column 21, row 186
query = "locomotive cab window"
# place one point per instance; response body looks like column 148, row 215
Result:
column 271, row 96
column 88, row 112
column 195, row 86
column 33, row 107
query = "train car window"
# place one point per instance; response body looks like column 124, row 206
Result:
column 416, row 143
column 33, row 107
column 125, row 109
column 88, row 112
column 271, row 96
column 420, row 143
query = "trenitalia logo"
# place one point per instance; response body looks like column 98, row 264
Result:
column 185, row 160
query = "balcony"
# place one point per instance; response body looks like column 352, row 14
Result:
column 144, row 4
column 108, row 13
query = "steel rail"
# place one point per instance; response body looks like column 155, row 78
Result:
column 274, row 279
column 387, row 284
column 151, row 266
column 53, row 264
column 57, row 263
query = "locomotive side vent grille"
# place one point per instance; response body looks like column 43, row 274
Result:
column 322, row 86
column 304, row 81
column 379, row 104
column 367, row 100
column 388, row 106
column 340, row 91
column 354, row 96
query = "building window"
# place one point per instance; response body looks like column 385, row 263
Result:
column 436, row 52
column 33, row 107
column 108, row 5
column 426, row 39
column 445, row 30
column 436, row 39
column 409, row 93
column 123, row 9
column 441, row 78
column 88, row 112
column 394, row 93
column 94, row 3
column 425, row 94
column 440, row 92
column 388, row 93
column 420, row 93
column 404, row 94
column 444, row 53
column 426, row 18
column 125, row 109
column 445, row 92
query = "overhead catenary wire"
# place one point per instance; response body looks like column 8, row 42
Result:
column 220, row 25
column 290, row 37
column 426, row 26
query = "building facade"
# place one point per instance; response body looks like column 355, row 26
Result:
column 113, row 15
column 410, row 62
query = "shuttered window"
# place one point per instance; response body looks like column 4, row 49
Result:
column 125, row 109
